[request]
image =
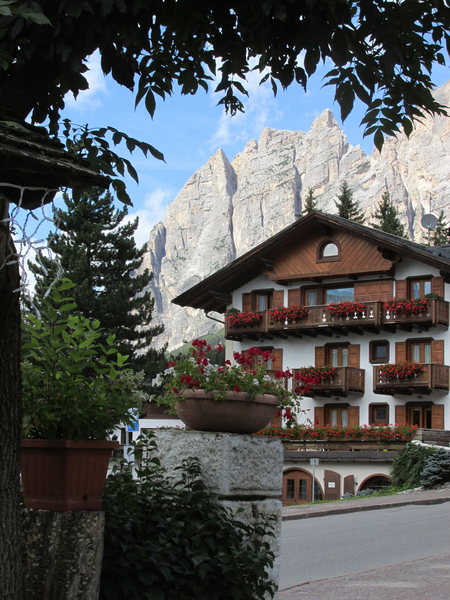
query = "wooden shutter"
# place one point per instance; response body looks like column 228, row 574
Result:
column 353, row 355
column 277, row 298
column 400, row 414
column 437, row 416
column 349, row 484
column 247, row 304
column 277, row 360
column 400, row 351
column 371, row 291
column 319, row 416
column 437, row 286
column 294, row 297
column 319, row 356
column 401, row 288
column 333, row 491
column 437, row 352
column 353, row 416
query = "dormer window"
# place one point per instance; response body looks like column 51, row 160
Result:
column 328, row 251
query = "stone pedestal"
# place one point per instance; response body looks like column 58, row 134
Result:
column 63, row 554
column 243, row 471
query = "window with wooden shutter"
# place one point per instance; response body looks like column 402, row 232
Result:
column 319, row 356
column 401, row 288
column 400, row 414
column 419, row 288
column 337, row 415
column 319, row 416
column 437, row 352
column 437, row 286
column 372, row 291
column 294, row 297
column 437, row 416
column 277, row 299
column 353, row 416
column 353, row 355
column 419, row 351
column 400, row 351
column 247, row 302
column 277, row 360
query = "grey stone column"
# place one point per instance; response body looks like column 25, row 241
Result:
column 63, row 554
column 243, row 471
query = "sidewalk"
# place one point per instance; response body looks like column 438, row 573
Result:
column 427, row 578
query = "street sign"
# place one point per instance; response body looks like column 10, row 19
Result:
column 314, row 462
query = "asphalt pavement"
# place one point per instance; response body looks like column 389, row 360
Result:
column 427, row 579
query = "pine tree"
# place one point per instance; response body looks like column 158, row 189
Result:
column 388, row 217
column 439, row 235
column 347, row 207
column 310, row 204
column 98, row 253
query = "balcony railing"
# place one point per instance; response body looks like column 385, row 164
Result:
column 436, row 314
column 433, row 377
column 320, row 320
column 346, row 379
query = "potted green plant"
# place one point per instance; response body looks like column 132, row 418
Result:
column 77, row 390
column 236, row 398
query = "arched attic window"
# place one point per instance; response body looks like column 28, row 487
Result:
column 328, row 251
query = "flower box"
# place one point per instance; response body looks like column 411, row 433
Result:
column 244, row 319
column 289, row 314
column 346, row 309
column 403, row 371
column 407, row 307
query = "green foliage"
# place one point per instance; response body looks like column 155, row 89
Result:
column 436, row 470
column 409, row 464
column 166, row 538
column 382, row 52
column 97, row 251
column 388, row 217
column 75, row 386
column 347, row 207
column 439, row 235
column 310, row 204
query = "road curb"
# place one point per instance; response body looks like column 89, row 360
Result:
column 360, row 508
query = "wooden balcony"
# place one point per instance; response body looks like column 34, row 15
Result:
column 433, row 377
column 347, row 379
column 319, row 320
column 251, row 330
column 436, row 314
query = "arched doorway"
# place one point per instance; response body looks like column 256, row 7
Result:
column 297, row 487
column 375, row 482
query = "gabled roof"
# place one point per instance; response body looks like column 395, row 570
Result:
column 213, row 293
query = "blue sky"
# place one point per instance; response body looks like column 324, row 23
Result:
column 189, row 129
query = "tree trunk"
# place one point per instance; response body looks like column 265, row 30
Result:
column 10, row 419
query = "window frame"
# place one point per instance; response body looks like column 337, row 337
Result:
column 377, row 361
column 320, row 248
column 377, row 422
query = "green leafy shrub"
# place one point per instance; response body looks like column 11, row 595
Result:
column 76, row 385
column 408, row 466
column 167, row 539
column 436, row 471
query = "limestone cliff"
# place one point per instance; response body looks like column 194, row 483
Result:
column 227, row 208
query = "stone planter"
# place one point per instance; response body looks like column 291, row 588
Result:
column 65, row 475
column 237, row 413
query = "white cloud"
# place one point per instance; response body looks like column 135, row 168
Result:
column 260, row 110
column 153, row 211
column 90, row 98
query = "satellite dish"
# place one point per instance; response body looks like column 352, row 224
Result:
column 429, row 221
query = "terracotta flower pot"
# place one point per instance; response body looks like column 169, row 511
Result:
column 65, row 475
column 237, row 413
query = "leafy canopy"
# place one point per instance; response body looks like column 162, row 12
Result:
column 382, row 51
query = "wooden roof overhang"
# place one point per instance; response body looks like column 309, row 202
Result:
column 29, row 158
column 214, row 292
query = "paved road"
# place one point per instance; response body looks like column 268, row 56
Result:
column 426, row 578
column 337, row 545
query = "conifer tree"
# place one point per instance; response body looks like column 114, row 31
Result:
column 310, row 203
column 388, row 218
column 347, row 207
column 439, row 235
column 98, row 253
